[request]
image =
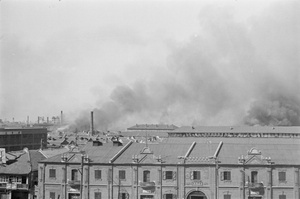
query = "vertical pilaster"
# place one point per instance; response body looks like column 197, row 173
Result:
column 296, row 184
column 242, row 183
column 269, row 183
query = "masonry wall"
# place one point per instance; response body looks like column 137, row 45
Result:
column 109, row 184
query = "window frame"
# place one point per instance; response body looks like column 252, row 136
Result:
column 282, row 196
column 98, row 174
column 169, row 175
column 52, row 195
column 74, row 177
column 167, row 195
column 52, row 173
column 146, row 176
column 122, row 174
column 225, row 176
column 97, row 194
column 280, row 173
column 254, row 176
column 123, row 195
column 195, row 175
column 227, row 196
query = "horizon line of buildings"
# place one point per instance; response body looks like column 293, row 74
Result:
column 164, row 162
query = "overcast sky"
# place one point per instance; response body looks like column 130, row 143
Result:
column 78, row 55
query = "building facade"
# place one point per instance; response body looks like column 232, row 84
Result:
column 18, row 174
column 181, row 168
column 14, row 139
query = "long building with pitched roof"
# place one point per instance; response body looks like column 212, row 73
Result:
column 250, row 163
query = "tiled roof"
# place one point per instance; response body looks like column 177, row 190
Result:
column 144, row 133
column 53, row 152
column 22, row 163
column 97, row 154
column 172, row 150
column 152, row 127
column 35, row 157
column 286, row 154
column 282, row 151
column 168, row 152
column 237, row 129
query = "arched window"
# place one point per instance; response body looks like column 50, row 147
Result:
column 146, row 176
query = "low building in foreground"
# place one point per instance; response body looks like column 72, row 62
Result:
column 19, row 174
column 184, row 166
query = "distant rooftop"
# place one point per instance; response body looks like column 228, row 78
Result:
column 153, row 127
column 237, row 129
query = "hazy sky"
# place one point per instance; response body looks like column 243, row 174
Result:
column 74, row 55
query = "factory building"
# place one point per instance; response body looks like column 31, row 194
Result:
column 185, row 165
column 14, row 139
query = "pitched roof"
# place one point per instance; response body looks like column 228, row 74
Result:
column 237, row 129
column 53, row 152
column 96, row 154
column 22, row 162
column 35, row 157
column 171, row 150
column 168, row 152
column 144, row 133
column 152, row 127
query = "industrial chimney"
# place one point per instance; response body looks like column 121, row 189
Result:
column 92, row 124
column 27, row 120
column 61, row 117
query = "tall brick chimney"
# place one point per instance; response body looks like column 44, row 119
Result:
column 61, row 117
column 92, row 123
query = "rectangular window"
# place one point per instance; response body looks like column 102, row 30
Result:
column 74, row 175
column 123, row 196
column 253, row 176
column 168, row 196
column 97, row 195
column 122, row 174
column 282, row 196
column 196, row 175
column 52, row 173
column 52, row 195
column 98, row 175
column 281, row 176
column 225, row 176
column 169, row 175
column 146, row 176
column 227, row 196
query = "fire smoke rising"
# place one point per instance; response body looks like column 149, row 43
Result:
column 233, row 72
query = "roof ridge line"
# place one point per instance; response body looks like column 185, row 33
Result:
column 190, row 149
column 120, row 152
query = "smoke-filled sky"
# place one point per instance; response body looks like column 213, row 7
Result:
column 176, row 62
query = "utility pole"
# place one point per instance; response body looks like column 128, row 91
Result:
column 215, row 158
column 81, row 177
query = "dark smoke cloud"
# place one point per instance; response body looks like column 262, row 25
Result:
column 279, row 111
column 232, row 73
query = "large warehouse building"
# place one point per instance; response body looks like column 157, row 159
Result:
column 14, row 139
column 192, row 163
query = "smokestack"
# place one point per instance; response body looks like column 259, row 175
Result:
column 38, row 119
column 61, row 117
column 47, row 120
column 27, row 120
column 92, row 123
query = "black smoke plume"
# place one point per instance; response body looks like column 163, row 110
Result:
column 233, row 72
